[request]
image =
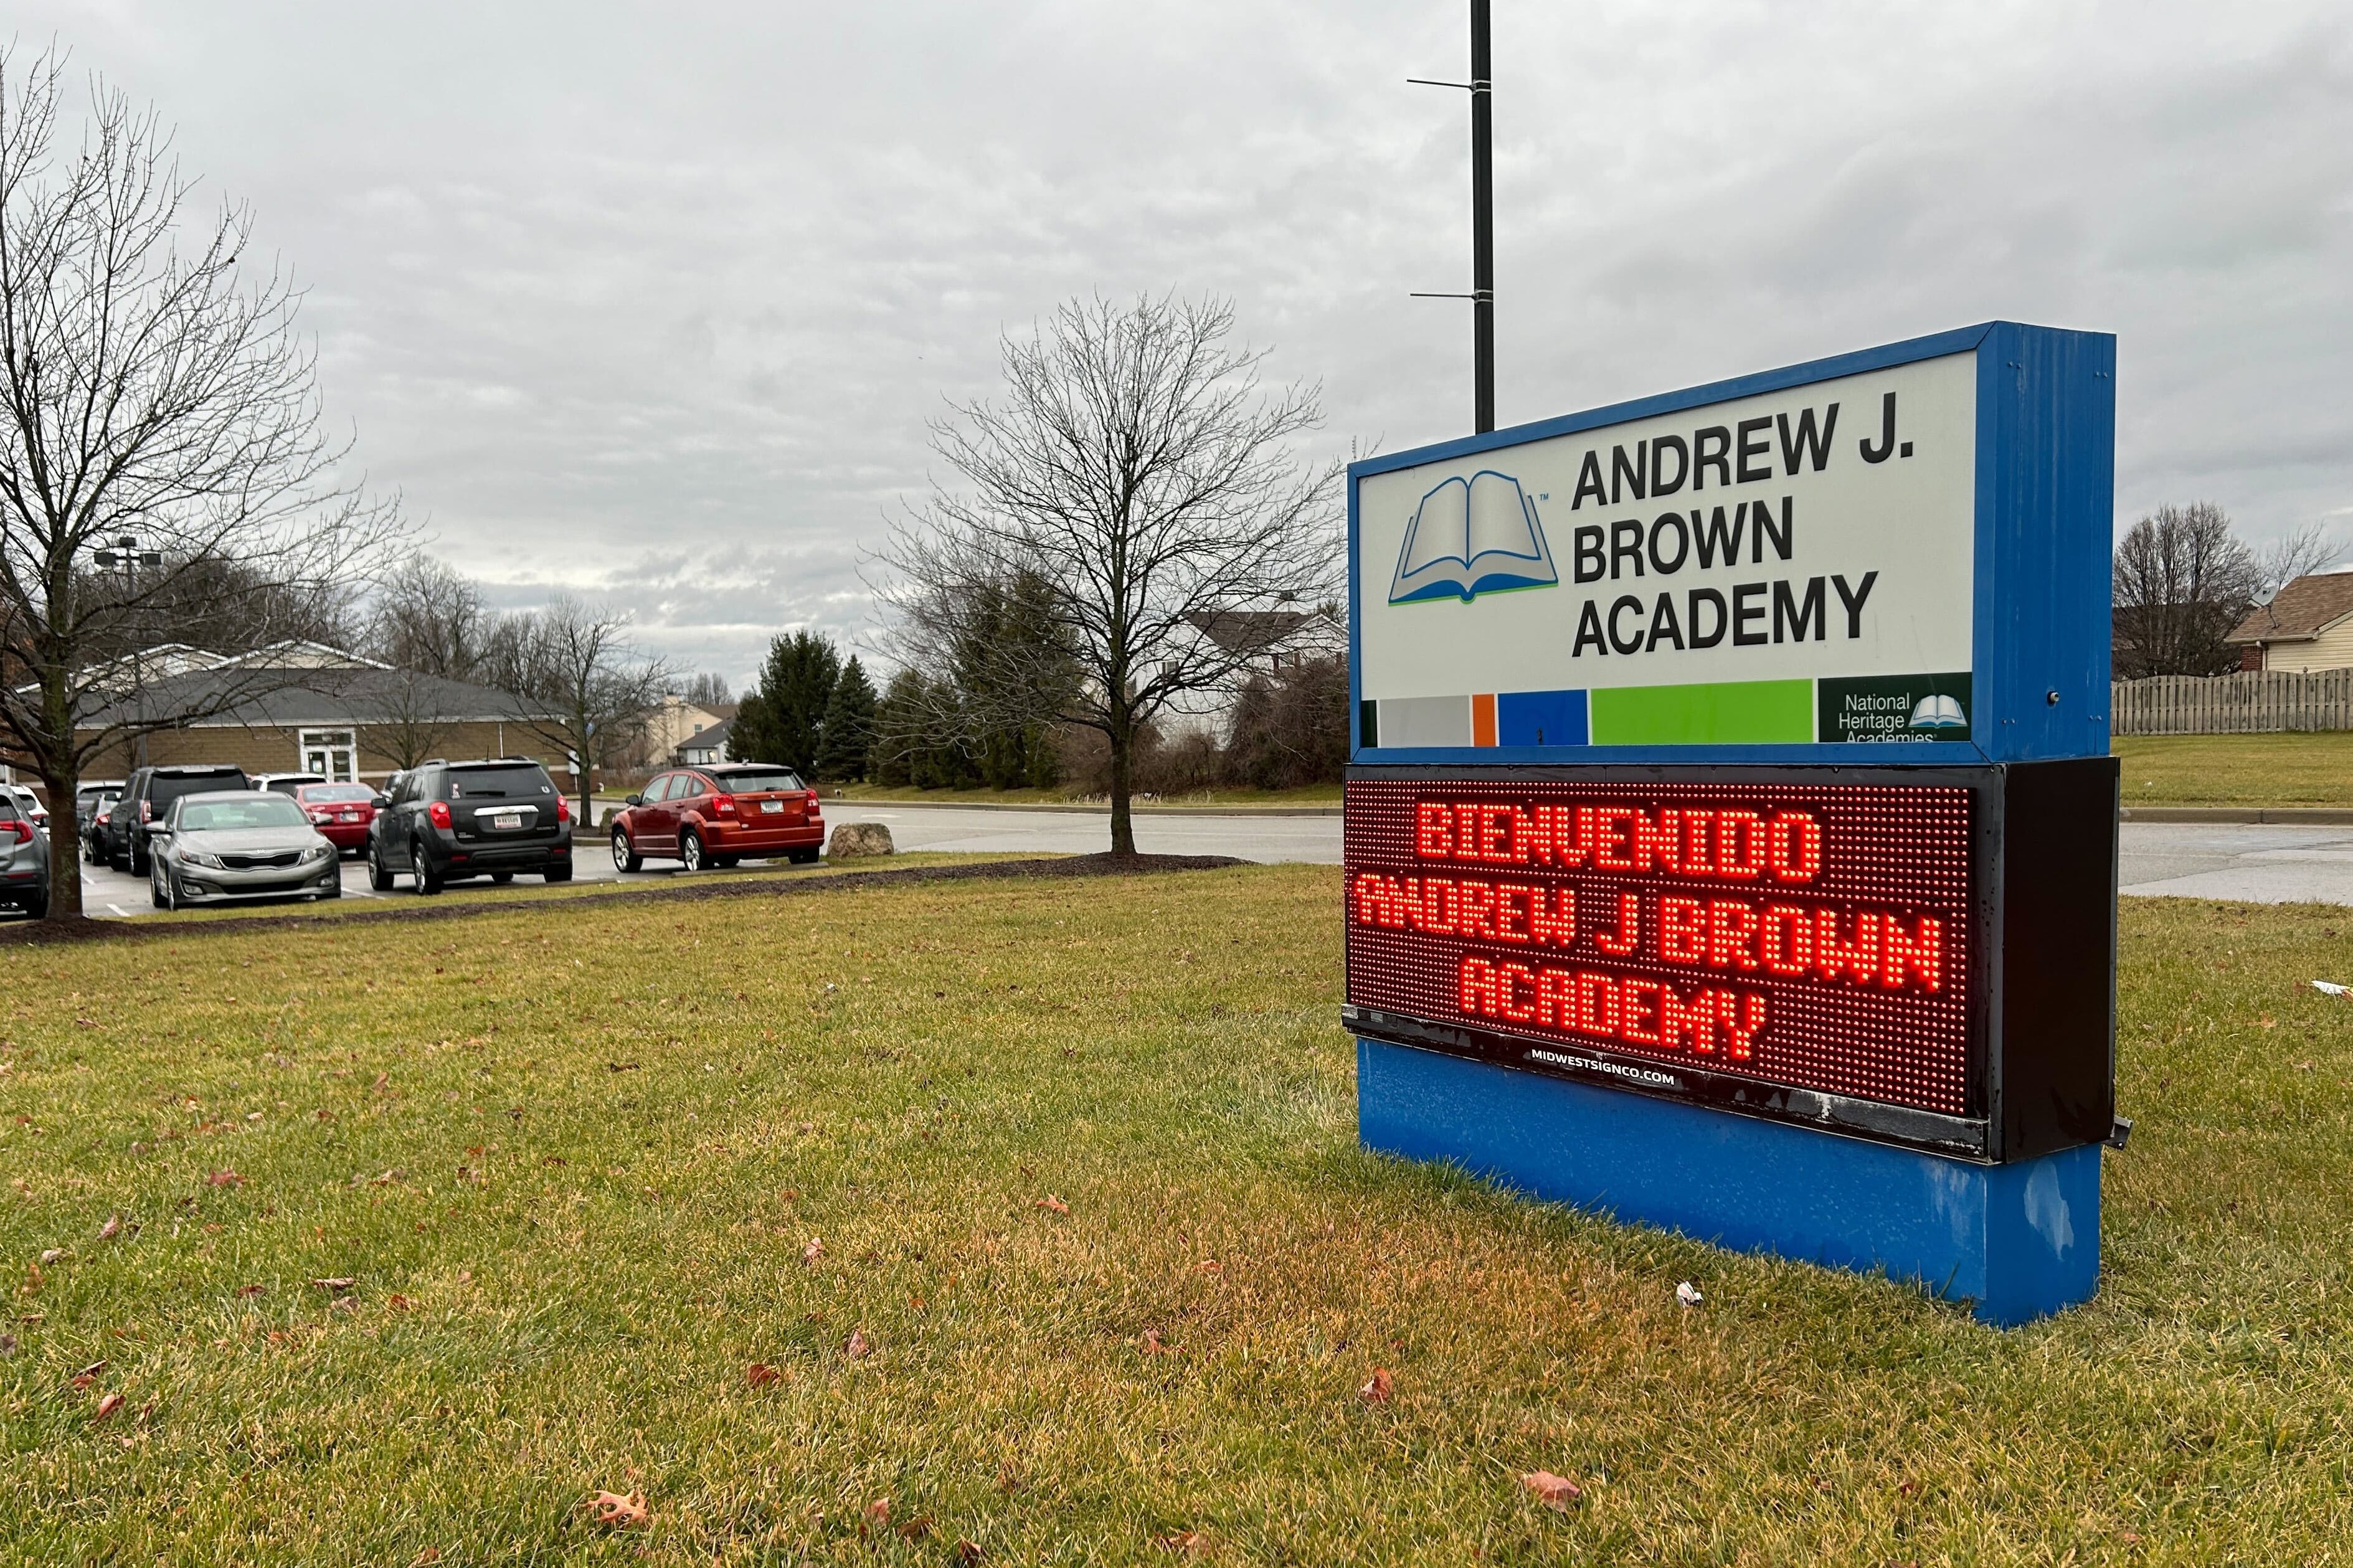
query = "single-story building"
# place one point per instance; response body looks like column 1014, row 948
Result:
column 2307, row 625
column 317, row 710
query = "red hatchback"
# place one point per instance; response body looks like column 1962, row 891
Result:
column 718, row 815
column 341, row 812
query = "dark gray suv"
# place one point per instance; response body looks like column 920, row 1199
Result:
column 147, row 794
column 23, row 862
column 447, row 821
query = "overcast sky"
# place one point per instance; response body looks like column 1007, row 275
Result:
column 654, row 301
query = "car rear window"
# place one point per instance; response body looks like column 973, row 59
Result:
column 334, row 795
column 485, row 783
column 7, row 807
column 257, row 810
column 756, row 781
column 166, row 788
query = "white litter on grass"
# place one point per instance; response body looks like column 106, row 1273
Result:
column 1688, row 1294
column 2330, row 988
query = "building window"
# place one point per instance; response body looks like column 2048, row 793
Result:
column 331, row 754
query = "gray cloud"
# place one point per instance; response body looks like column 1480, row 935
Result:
column 655, row 304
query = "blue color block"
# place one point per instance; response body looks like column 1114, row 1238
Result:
column 2019, row 1241
column 1540, row 719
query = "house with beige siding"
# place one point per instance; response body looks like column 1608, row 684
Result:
column 2307, row 625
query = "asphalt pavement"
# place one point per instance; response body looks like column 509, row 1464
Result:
column 2269, row 863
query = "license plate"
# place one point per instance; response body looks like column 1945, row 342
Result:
column 771, row 805
column 347, row 816
column 507, row 820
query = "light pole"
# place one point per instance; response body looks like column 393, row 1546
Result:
column 1481, row 87
column 123, row 555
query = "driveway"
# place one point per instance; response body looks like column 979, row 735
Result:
column 2267, row 864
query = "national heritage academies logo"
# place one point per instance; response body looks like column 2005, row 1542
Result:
column 1474, row 536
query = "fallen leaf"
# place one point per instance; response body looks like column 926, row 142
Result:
column 106, row 1407
column 339, row 1284
column 916, row 1528
column 1050, row 1202
column 1555, row 1492
column 1688, row 1294
column 813, row 1251
column 968, row 1553
column 616, row 1511
column 253, row 1289
column 1208, row 1266
column 1377, row 1388
column 111, row 1228
column 395, row 1302
column 759, row 1374
column 8, row 1345
column 1152, row 1345
column 879, row 1510
column 1186, row 1541
column 2268, row 1022
column 430, row 1554
column 89, row 1374
column 224, row 1179
column 856, row 1346
column 51, row 1256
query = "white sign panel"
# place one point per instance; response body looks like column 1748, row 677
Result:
column 1793, row 566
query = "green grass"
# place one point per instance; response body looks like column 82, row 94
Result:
column 2313, row 768
column 587, row 1261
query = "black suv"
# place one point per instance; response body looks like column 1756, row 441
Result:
column 147, row 793
column 448, row 821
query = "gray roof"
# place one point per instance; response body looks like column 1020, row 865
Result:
column 715, row 738
column 238, row 695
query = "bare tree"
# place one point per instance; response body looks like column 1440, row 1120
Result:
column 2183, row 579
column 579, row 684
column 428, row 617
column 2284, row 560
column 708, row 688
column 1136, row 467
column 160, row 442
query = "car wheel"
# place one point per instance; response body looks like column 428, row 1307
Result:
column 559, row 873
column 689, row 850
column 36, row 904
column 379, row 878
column 140, row 863
column 428, row 876
column 625, row 855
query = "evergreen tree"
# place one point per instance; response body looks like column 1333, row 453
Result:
column 782, row 719
column 849, row 726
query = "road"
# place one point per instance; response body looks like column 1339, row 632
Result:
column 2259, row 864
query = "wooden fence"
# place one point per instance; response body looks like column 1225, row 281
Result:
column 2232, row 704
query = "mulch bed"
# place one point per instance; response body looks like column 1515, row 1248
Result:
column 81, row 928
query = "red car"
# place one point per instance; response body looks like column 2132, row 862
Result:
column 341, row 812
column 718, row 815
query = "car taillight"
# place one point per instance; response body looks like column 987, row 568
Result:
column 20, row 827
column 562, row 809
column 812, row 801
column 321, row 814
column 146, row 812
column 439, row 814
column 722, row 806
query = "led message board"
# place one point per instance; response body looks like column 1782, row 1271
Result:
column 1795, row 943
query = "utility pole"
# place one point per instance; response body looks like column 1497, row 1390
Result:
column 1482, row 217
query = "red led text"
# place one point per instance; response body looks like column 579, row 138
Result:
column 1733, row 846
column 1640, row 1011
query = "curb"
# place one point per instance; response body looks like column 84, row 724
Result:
column 2309, row 815
column 1244, row 811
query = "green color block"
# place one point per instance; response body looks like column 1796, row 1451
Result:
column 1730, row 713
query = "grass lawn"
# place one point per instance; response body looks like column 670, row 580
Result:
column 2308, row 768
column 587, row 1165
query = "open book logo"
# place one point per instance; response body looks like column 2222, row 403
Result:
column 1938, row 711
column 1473, row 537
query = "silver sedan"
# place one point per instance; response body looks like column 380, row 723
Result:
column 227, row 845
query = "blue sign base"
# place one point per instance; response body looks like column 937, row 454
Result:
column 2017, row 1241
